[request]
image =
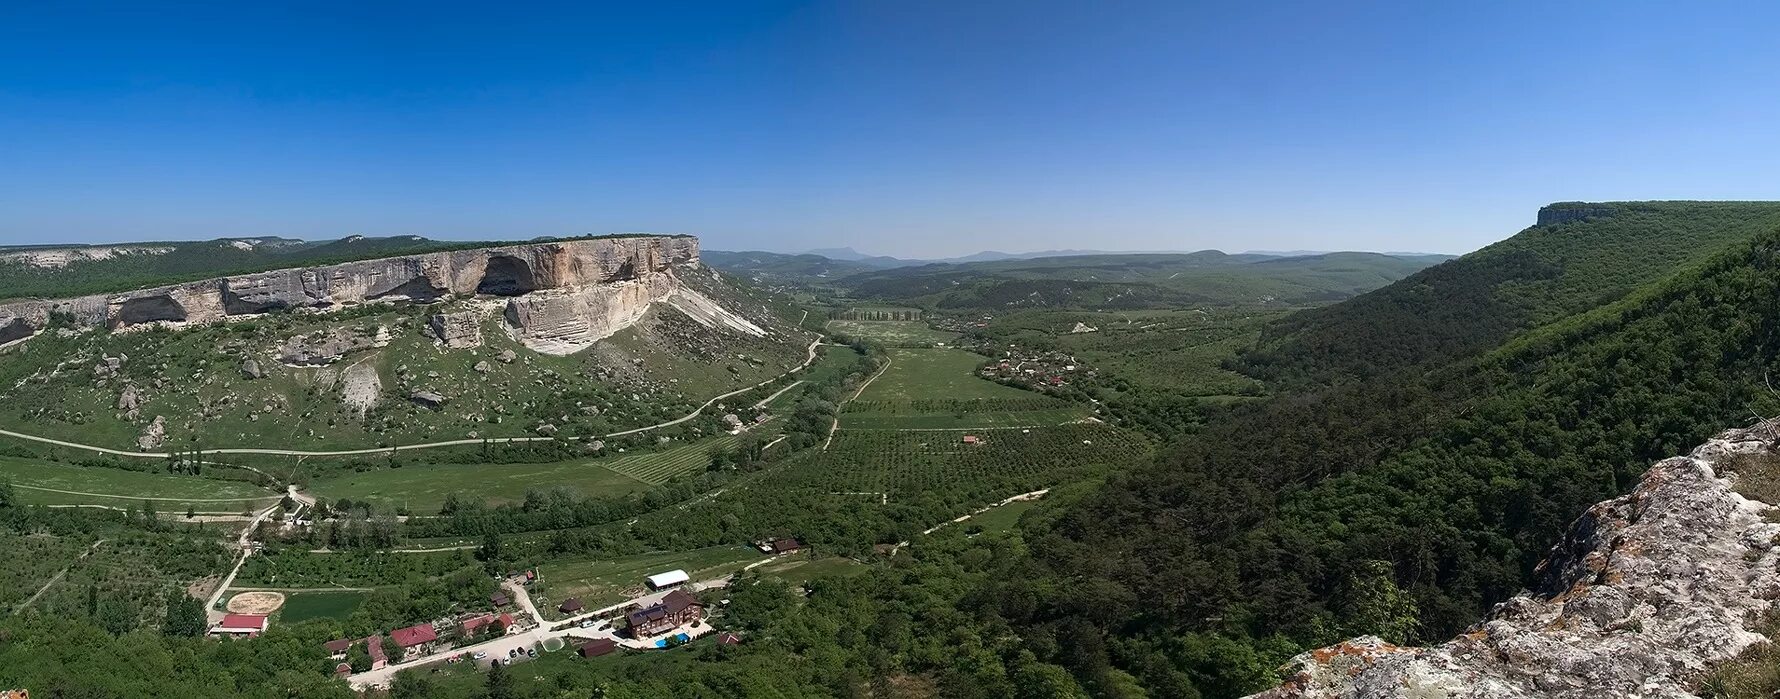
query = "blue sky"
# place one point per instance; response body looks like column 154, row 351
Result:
column 912, row 128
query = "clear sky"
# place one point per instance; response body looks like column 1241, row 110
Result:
column 905, row 127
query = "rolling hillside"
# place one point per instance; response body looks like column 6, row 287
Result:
column 1579, row 257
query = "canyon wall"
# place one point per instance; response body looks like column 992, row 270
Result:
column 560, row 291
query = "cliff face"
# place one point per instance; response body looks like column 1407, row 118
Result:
column 1645, row 593
column 599, row 282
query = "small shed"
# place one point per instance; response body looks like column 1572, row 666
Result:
column 972, row 439
column 669, row 579
column 499, row 599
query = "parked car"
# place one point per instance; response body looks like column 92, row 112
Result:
column 531, row 652
column 587, row 623
column 481, row 654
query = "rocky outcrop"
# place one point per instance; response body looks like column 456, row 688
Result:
column 328, row 346
column 510, row 270
column 570, row 320
column 457, row 329
column 154, row 435
column 1645, row 593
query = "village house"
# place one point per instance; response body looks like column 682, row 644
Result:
column 240, row 625
column 786, row 545
column 337, row 648
column 499, row 599
column 414, row 640
column 728, row 639
column 672, row 578
column 570, row 606
column 673, row 610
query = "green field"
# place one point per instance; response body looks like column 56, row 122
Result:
column 935, row 373
column 925, row 389
column 304, row 606
column 598, row 583
column 423, row 487
column 892, row 332
column 51, row 483
column 802, row 568
column 1000, row 520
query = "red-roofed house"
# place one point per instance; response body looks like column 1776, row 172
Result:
column 342, row 670
column 374, row 646
column 240, row 625
column 470, row 627
column 479, row 624
column 414, row 639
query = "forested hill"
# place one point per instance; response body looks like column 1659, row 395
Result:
column 1403, row 506
column 1581, row 256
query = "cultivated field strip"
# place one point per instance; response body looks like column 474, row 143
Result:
column 914, row 464
column 660, row 467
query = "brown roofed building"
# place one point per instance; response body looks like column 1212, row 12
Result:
column 786, row 545
column 570, row 606
column 673, row 610
column 597, row 647
column 337, row 648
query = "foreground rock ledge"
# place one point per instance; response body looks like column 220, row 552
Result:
column 1645, row 593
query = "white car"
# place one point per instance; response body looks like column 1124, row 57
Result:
column 481, row 654
column 587, row 623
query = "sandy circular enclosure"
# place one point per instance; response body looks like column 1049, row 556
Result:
column 256, row 602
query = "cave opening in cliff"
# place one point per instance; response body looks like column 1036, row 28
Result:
column 506, row 276
column 18, row 329
column 148, row 309
column 419, row 290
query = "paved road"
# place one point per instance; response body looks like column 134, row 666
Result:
column 811, row 359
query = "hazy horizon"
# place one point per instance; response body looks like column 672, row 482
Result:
column 918, row 129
